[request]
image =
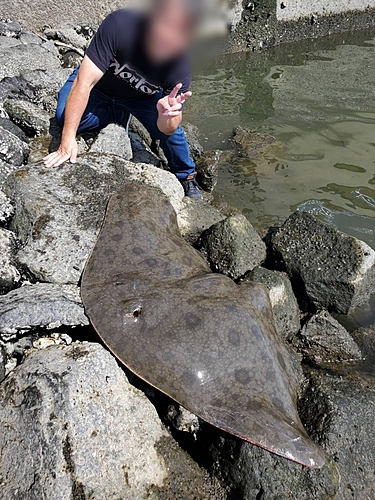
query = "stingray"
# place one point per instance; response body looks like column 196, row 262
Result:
column 197, row 336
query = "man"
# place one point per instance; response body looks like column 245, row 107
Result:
column 137, row 65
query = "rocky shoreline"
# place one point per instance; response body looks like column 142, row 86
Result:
column 75, row 424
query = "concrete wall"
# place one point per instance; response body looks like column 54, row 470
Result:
column 288, row 10
column 265, row 23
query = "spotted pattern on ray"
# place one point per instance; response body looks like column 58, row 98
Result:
column 197, row 336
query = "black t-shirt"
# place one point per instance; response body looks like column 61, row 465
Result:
column 117, row 49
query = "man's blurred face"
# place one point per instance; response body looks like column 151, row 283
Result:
column 170, row 31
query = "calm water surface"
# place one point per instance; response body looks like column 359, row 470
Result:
column 317, row 98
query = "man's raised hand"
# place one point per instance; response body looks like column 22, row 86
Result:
column 171, row 105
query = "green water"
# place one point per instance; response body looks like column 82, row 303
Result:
column 317, row 98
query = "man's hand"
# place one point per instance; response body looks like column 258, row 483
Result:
column 67, row 151
column 171, row 105
column 170, row 110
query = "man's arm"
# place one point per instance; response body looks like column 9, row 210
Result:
column 88, row 75
column 170, row 110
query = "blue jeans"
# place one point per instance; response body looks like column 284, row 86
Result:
column 102, row 110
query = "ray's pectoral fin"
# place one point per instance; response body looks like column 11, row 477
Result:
column 194, row 335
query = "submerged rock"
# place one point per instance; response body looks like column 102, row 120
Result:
column 208, row 169
column 195, row 217
column 113, row 140
column 12, row 149
column 249, row 143
column 102, row 437
column 32, row 119
column 325, row 340
column 284, row 303
column 38, row 306
column 58, row 212
column 9, row 275
column 329, row 269
column 232, row 246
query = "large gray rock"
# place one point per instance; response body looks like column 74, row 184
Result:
column 141, row 151
column 195, row 217
column 11, row 28
column 6, row 169
column 232, row 247
column 43, row 305
column 38, row 14
column 8, row 43
column 6, row 208
column 192, row 137
column 18, row 58
column 332, row 270
column 9, row 275
column 71, row 37
column 37, row 85
column 3, row 362
column 16, row 87
column 254, row 473
column 12, row 127
column 339, row 412
column 284, row 303
column 58, row 212
column 324, row 340
column 136, row 127
column 71, row 426
column 113, row 140
column 32, row 119
column 27, row 37
column 12, row 149
column 365, row 339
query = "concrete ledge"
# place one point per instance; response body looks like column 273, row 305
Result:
column 292, row 10
column 264, row 24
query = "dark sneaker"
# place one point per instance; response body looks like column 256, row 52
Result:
column 191, row 187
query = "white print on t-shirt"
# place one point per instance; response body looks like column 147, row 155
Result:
column 134, row 79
